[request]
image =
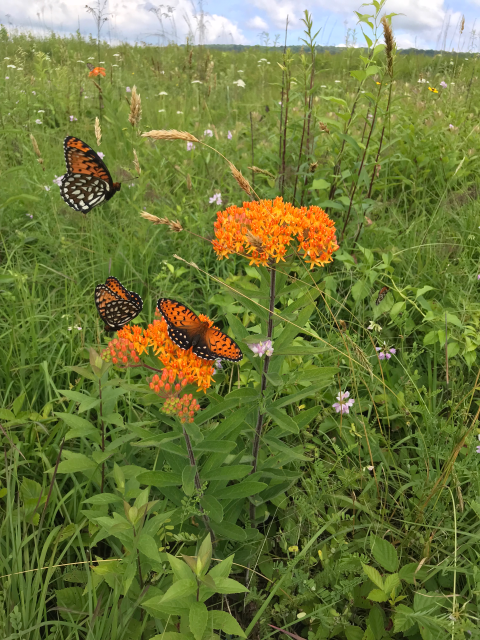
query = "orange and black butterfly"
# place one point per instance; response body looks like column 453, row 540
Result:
column 87, row 181
column 381, row 294
column 187, row 331
column 116, row 306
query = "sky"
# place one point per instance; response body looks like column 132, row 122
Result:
column 424, row 24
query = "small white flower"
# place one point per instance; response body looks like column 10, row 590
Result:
column 161, row 111
column 11, row 66
column 323, row 86
column 337, row 81
column 179, row 113
column 197, row 82
column 240, row 71
column 81, row 61
column 46, row 188
column 114, row 65
column 6, row 58
column 41, row 111
column 102, row 62
column 239, row 83
column 91, row 58
column 116, row 55
column 163, row 93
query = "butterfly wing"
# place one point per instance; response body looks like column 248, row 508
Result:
column 381, row 295
column 220, row 345
column 184, row 326
column 186, row 330
column 87, row 182
column 116, row 311
column 117, row 287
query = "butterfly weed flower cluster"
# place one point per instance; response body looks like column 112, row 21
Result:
column 264, row 231
column 155, row 337
column 168, row 385
column 119, row 351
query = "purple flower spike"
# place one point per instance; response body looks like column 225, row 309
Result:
column 443, row 84
column 216, row 198
column 344, row 402
column 262, row 348
column 229, row 135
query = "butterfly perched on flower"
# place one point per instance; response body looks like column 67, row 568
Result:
column 381, row 295
column 88, row 181
column 187, row 330
column 116, row 305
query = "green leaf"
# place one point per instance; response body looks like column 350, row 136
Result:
column 352, row 633
column 377, row 595
column 374, row 576
column 384, row 553
column 391, row 582
column 75, row 463
column 188, row 479
column 283, row 420
column 147, row 545
column 213, row 507
column 180, row 570
column 319, row 183
column 224, row 446
column 242, row 490
column 229, row 531
column 103, row 498
column 180, row 589
column 227, row 623
column 430, row 338
column 233, row 472
column 423, row 290
column 114, row 418
column 83, row 432
column 198, row 618
column 360, row 290
column 376, row 622
column 160, row 478
column 403, row 618
column 222, row 569
column 75, row 422
column 227, row 585
column 171, row 635
column 358, row 74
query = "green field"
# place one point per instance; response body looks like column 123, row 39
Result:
column 357, row 525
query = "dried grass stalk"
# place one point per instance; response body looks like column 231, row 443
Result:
column 170, row 134
column 136, row 163
column 242, row 182
column 135, row 108
column 189, row 182
column 173, row 225
column 36, row 150
column 389, row 44
column 262, row 171
column 98, row 131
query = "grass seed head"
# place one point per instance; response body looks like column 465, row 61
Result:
column 389, row 44
column 36, row 149
column 170, row 134
column 98, row 131
column 135, row 108
column 242, row 182
column 173, row 225
column 136, row 163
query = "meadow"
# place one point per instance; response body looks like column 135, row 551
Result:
column 324, row 486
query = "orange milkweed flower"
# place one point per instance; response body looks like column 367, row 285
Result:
column 265, row 229
column 97, row 71
column 179, row 361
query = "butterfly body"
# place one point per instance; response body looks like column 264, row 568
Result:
column 188, row 331
column 87, row 182
column 116, row 305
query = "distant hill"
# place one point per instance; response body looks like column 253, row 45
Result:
column 319, row 48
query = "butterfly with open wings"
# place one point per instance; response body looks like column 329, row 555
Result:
column 87, row 182
column 186, row 330
column 116, row 305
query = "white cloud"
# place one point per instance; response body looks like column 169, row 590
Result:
column 278, row 10
column 257, row 23
column 127, row 20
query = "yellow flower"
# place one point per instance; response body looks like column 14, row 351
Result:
column 433, row 90
column 264, row 230
column 293, row 549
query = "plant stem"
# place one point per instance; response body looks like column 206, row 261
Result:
column 103, row 433
column 198, row 484
column 253, row 157
column 263, row 386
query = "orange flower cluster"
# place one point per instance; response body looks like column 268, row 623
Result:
column 120, row 352
column 165, row 383
column 184, row 363
column 97, row 71
column 264, row 230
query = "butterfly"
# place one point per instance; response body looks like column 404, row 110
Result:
column 381, row 295
column 116, row 305
column 187, row 331
column 87, row 181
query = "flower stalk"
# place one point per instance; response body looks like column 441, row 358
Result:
column 263, row 385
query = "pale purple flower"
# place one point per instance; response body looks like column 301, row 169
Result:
column 208, row 133
column 128, row 90
column 218, row 365
column 190, row 146
column 73, row 119
column 385, row 353
column 58, row 180
column 7, row 77
column 443, row 84
column 478, row 449
column 38, row 121
column 344, row 402
column 450, row 126
column 216, row 198
column 262, row 348
column 478, row 277
column 100, row 155
column 229, row 135
column 29, row 215
column 46, row 188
